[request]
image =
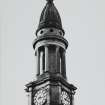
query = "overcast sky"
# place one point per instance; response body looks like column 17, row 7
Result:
column 84, row 25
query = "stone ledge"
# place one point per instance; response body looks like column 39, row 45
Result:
column 53, row 79
column 51, row 37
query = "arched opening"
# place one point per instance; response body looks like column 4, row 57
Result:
column 62, row 62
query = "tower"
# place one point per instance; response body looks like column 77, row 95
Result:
column 51, row 86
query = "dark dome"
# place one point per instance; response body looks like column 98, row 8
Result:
column 50, row 17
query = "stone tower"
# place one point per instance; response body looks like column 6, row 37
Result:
column 51, row 86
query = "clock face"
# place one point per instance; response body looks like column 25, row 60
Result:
column 65, row 98
column 40, row 97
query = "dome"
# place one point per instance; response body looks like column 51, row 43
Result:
column 50, row 17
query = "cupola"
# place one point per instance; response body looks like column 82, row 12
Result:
column 50, row 20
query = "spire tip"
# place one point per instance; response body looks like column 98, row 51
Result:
column 49, row 1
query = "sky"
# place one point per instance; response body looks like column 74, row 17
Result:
column 84, row 25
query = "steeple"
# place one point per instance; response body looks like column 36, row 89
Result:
column 51, row 86
column 50, row 17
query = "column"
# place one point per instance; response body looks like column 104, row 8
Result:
column 41, row 62
column 38, row 62
column 58, row 58
column 30, row 96
column 63, row 64
column 46, row 59
column 43, row 58
column 72, row 97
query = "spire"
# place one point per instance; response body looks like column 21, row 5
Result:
column 50, row 17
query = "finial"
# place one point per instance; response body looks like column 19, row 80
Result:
column 49, row 1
